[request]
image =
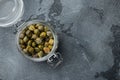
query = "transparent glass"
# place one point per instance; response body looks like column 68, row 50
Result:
column 24, row 25
column 10, row 12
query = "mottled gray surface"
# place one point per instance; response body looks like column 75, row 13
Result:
column 89, row 35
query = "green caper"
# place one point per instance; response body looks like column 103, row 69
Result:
column 22, row 36
column 46, row 50
column 36, row 31
column 50, row 46
column 25, row 50
column 40, row 47
column 46, row 44
column 40, row 27
column 33, row 44
column 37, row 49
column 49, row 33
column 40, row 54
column 31, row 49
column 38, row 40
column 28, row 33
column 21, row 41
column 34, row 36
column 25, row 39
column 51, row 41
column 31, row 28
column 43, row 34
column 29, row 42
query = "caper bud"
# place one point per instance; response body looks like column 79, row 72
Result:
column 25, row 50
column 51, row 41
column 33, row 44
column 21, row 41
column 40, row 54
column 46, row 50
column 50, row 47
column 49, row 33
column 37, row 49
column 43, row 34
column 31, row 28
column 25, row 39
column 28, row 33
column 34, row 36
column 31, row 50
column 40, row 27
column 29, row 42
column 22, row 36
column 36, row 31
column 38, row 40
column 46, row 44
column 40, row 47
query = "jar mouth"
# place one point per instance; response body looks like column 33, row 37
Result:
column 11, row 12
column 55, row 45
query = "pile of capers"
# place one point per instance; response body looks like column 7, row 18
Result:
column 36, row 40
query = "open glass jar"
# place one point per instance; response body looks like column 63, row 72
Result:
column 53, row 58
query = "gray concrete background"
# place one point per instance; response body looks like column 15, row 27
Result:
column 88, row 32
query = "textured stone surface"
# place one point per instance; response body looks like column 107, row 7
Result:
column 89, row 35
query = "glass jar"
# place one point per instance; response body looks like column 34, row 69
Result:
column 53, row 58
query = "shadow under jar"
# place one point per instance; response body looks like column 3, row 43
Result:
column 53, row 58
